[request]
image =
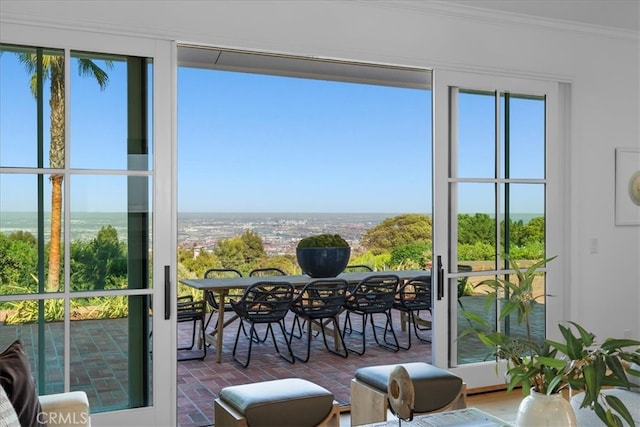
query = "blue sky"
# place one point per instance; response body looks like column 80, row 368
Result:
column 267, row 144
column 257, row 143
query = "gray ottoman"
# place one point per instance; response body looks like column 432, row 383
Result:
column 287, row 402
column 435, row 390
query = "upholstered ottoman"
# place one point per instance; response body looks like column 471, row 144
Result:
column 288, row 402
column 435, row 390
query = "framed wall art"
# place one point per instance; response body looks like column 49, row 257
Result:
column 627, row 186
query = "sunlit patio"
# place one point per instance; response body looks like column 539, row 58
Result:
column 200, row 381
column 99, row 362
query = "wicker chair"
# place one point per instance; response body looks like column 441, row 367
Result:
column 374, row 295
column 192, row 311
column 211, row 297
column 267, row 271
column 412, row 297
column 265, row 303
column 320, row 302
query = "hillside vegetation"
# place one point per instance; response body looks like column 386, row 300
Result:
column 399, row 242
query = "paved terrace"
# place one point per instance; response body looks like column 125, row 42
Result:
column 99, row 363
column 199, row 382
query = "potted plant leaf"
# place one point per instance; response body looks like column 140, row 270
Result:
column 544, row 366
column 323, row 255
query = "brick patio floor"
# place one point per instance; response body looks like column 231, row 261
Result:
column 199, row 382
column 99, row 362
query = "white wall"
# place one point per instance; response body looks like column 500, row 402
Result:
column 603, row 67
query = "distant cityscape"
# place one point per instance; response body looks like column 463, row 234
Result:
column 280, row 232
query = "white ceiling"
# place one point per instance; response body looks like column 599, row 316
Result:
column 619, row 14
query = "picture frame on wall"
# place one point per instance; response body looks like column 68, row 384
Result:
column 627, row 186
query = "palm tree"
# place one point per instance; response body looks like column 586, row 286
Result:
column 53, row 69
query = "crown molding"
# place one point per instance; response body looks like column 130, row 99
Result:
column 470, row 13
column 457, row 11
column 81, row 25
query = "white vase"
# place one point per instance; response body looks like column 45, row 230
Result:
column 541, row 410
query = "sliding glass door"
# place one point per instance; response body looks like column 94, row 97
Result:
column 77, row 218
column 498, row 146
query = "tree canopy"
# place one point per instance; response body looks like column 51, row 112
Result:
column 240, row 250
column 402, row 241
column 406, row 229
column 100, row 263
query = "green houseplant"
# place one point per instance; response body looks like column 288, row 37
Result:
column 323, row 255
column 546, row 366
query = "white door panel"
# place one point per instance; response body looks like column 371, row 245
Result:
column 497, row 152
column 145, row 194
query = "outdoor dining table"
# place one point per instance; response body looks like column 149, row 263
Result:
column 223, row 285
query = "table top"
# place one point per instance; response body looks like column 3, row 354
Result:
column 298, row 280
column 468, row 417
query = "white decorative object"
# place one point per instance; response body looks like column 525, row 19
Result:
column 401, row 393
column 542, row 410
column 627, row 186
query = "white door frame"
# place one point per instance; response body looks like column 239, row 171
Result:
column 480, row 375
column 163, row 406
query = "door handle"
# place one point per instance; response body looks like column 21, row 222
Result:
column 167, row 292
column 440, row 279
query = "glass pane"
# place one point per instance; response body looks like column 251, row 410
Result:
column 25, row 135
column 28, row 321
column 510, row 324
column 109, row 117
column 111, row 351
column 470, row 348
column 111, row 232
column 110, row 222
column 476, row 135
column 475, row 252
column 525, row 233
column 525, row 116
column 23, row 224
column 521, row 216
column 476, row 223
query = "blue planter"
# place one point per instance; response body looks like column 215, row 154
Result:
column 323, row 262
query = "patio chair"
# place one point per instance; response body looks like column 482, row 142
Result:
column 263, row 303
column 374, row 295
column 356, row 268
column 211, row 297
column 318, row 303
column 192, row 311
column 267, row 271
column 412, row 297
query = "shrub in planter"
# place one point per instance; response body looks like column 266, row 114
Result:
column 323, row 255
column 323, row 241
